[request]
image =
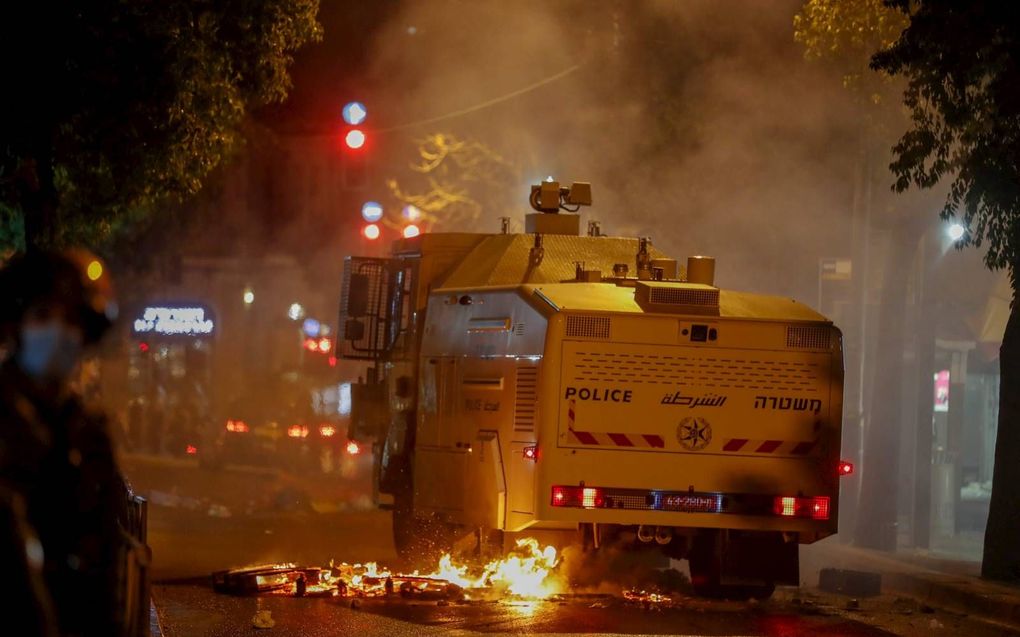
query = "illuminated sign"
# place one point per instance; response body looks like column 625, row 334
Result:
column 942, row 391
column 174, row 321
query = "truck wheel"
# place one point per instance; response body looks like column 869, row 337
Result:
column 705, row 562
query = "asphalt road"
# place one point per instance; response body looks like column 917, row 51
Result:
column 225, row 519
column 191, row 610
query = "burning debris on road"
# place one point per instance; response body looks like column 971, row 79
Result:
column 528, row 573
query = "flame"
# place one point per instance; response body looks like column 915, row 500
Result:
column 527, row 573
column 646, row 597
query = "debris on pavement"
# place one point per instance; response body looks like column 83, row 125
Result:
column 263, row 619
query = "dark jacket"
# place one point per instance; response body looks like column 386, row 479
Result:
column 60, row 460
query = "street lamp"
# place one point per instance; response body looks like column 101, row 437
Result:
column 955, row 231
column 295, row 311
column 249, row 296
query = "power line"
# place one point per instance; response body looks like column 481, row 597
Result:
column 483, row 105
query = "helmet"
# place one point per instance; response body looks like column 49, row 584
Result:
column 75, row 279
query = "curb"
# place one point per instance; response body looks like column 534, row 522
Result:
column 957, row 594
column 155, row 628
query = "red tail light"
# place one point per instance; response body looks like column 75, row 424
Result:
column 845, row 467
column 531, row 453
column 237, row 426
column 583, row 497
column 297, row 431
column 327, row 431
column 816, row 508
column 191, row 450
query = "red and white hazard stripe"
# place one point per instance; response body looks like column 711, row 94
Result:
column 777, row 447
column 602, row 439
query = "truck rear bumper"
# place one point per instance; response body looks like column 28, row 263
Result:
column 811, row 517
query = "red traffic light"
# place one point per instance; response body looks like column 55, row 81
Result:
column 355, row 138
column 371, row 231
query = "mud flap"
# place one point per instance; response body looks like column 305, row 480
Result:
column 751, row 558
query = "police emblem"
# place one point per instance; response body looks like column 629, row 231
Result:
column 694, row 434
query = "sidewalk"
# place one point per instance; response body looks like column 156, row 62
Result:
column 940, row 583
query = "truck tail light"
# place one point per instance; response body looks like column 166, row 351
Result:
column 531, row 453
column 591, row 498
column 583, row 497
column 816, row 508
column 846, row 467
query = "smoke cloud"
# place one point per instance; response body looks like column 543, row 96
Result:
column 698, row 123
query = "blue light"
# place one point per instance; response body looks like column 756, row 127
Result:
column 371, row 211
column 311, row 327
column 354, row 113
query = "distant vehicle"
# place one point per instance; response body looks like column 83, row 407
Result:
column 259, row 433
column 557, row 382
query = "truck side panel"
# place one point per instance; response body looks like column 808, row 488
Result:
column 478, row 409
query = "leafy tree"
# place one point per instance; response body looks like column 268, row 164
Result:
column 456, row 179
column 113, row 107
column 847, row 33
column 962, row 66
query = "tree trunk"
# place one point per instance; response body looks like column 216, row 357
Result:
column 1001, row 559
column 37, row 194
column 877, row 509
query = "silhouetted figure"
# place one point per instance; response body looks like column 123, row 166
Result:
column 54, row 455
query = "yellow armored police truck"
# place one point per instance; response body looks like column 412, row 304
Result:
column 552, row 381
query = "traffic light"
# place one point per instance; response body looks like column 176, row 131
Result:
column 371, row 211
column 411, row 230
column 355, row 146
column 355, row 160
column 354, row 113
column 355, row 139
column 371, row 232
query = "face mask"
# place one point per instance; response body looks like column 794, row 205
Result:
column 49, row 351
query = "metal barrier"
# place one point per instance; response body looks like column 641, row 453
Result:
column 133, row 576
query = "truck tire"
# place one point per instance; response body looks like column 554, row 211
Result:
column 705, row 561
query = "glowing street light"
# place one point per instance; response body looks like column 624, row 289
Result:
column 354, row 113
column 371, row 211
column 955, row 231
column 249, row 296
column 295, row 311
